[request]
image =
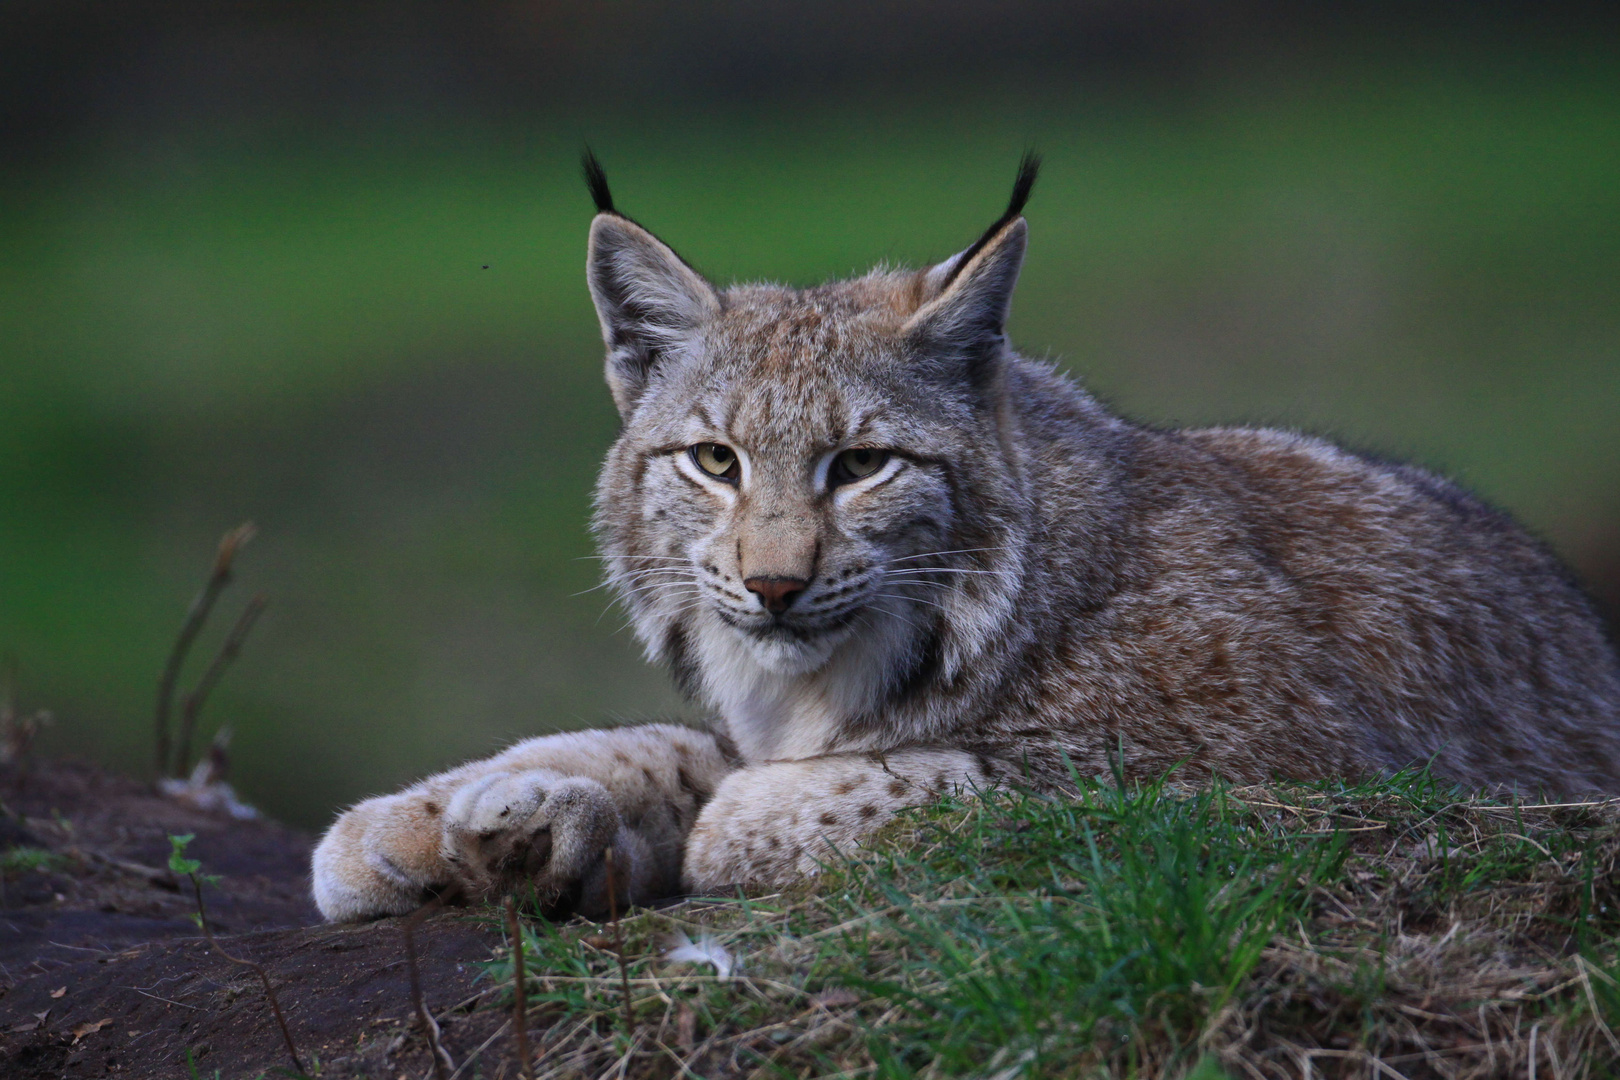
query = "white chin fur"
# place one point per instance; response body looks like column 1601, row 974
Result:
column 791, row 656
column 786, row 699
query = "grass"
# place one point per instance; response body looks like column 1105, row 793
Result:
column 22, row 860
column 1110, row 925
column 1398, row 927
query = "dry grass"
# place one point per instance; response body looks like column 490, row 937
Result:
column 1467, row 938
column 1394, row 929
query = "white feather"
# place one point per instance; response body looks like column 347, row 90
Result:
column 706, row 950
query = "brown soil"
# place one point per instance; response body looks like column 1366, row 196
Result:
column 104, row 972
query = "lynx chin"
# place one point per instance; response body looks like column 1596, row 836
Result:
column 894, row 558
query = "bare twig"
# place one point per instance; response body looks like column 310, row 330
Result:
column 520, row 1025
column 196, row 615
column 485, row 1045
column 443, row 1065
column 679, row 980
column 1588, row 969
column 464, row 1002
column 193, row 703
column 166, row 1001
column 153, row 875
column 264, row 976
column 618, row 942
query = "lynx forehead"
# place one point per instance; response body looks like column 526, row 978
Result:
column 892, row 557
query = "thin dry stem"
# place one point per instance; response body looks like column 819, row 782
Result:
column 264, row 976
column 514, row 930
column 443, row 1065
column 229, row 545
column 618, row 943
column 228, row 651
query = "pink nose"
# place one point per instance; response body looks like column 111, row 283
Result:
column 775, row 593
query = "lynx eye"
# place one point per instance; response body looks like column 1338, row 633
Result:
column 855, row 464
column 717, row 460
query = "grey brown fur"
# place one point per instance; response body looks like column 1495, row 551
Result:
column 1025, row 584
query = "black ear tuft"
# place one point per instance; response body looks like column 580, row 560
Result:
column 596, row 180
column 1029, row 167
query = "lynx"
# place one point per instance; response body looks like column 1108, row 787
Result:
column 894, row 558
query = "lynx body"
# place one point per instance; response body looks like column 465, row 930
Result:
column 895, row 558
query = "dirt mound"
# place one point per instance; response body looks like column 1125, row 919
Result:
column 103, row 970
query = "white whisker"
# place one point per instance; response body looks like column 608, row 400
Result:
column 682, row 609
column 635, row 576
column 654, row 588
column 637, row 558
column 931, row 554
column 911, row 600
column 660, row 571
column 625, row 595
column 690, row 605
column 947, row 570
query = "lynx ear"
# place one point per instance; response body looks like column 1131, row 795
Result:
column 969, row 317
column 646, row 297
column 970, row 293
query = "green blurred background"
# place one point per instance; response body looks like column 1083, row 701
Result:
column 322, row 270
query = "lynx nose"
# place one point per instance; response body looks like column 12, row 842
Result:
column 775, row 593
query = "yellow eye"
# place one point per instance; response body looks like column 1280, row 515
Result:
column 717, row 460
column 857, row 463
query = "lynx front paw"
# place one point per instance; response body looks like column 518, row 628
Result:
column 769, row 825
column 496, row 833
column 380, row 858
column 511, row 831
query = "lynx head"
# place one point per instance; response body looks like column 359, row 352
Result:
column 812, row 484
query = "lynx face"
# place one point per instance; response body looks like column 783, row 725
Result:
column 788, row 490
column 801, row 504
